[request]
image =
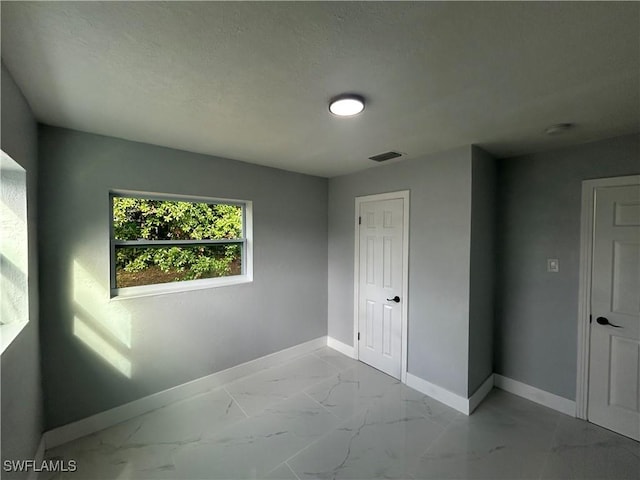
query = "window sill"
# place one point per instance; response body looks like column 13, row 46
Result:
column 9, row 332
column 177, row 287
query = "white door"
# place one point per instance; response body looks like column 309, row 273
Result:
column 380, row 284
column 614, row 365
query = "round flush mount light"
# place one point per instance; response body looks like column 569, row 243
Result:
column 346, row 105
column 559, row 128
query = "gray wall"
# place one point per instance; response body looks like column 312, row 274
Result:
column 22, row 419
column 440, row 216
column 539, row 200
column 176, row 337
column 481, row 304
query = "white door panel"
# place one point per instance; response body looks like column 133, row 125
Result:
column 614, row 366
column 380, row 279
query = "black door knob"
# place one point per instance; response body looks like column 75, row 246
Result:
column 605, row 321
column 394, row 299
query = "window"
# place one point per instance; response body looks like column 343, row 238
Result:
column 14, row 252
column 162, row 243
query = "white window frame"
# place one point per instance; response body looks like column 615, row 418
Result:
column 9, row 331
column 162, row 288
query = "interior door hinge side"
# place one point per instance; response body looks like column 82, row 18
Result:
column 358, row 336
column 359, row 220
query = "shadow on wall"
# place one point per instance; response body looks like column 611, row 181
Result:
column 12, row 290
column 101, row 325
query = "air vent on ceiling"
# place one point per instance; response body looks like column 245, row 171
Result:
column 385, row 156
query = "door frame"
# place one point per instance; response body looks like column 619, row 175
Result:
column 404, row 195
column 584, row 291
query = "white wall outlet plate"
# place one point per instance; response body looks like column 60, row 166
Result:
column 553, row 265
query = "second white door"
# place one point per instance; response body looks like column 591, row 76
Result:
column 380, row 284
column 614, row 373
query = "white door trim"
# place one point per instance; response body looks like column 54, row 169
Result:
column 584, row 292
column 404, row 195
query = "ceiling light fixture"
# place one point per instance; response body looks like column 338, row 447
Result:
column 346, row 105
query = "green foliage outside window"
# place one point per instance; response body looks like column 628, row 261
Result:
column 149, row 220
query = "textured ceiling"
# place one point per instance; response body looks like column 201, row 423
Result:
column 251, row 81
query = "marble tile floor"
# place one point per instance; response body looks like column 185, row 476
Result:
column 325, row 416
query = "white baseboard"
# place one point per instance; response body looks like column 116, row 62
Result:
column 443, row 395
column 453, row 400
column 550, row 400
column 479, row 395
column 108, row 418
column 38, row 457
column 343, row 348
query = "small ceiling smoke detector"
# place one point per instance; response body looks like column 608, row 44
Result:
column 559, row 128
column 346, row 105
